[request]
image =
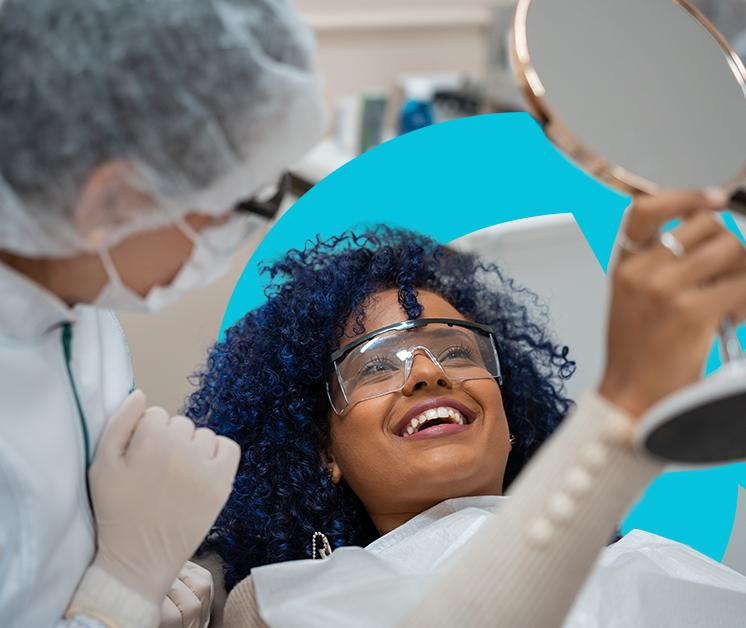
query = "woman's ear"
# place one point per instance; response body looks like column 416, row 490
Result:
column 110, row 198
column 330, row 465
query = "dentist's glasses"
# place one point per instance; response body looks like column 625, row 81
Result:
column 247, row 216
column 380, row 362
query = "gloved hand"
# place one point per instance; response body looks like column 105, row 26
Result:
column 157, row 485
column 189, row 601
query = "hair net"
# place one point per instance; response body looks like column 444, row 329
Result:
column 203, row 101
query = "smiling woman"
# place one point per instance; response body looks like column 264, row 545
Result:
column 445, row 433
column 391, row 389
column 265, row 385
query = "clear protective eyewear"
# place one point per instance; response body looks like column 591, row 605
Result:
column 380, row 362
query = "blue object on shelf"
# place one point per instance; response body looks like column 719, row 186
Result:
column 417, row 110
column 415, row 114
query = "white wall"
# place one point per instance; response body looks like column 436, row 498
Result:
column 365, row 44
column 550, row 256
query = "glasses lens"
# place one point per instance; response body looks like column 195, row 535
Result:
column 374, row 368
column 380, row 365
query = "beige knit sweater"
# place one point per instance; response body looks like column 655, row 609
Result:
column 525, row 568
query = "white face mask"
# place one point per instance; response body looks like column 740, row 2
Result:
column 211, row 257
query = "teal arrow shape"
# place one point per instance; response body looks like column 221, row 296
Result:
column 451, row 179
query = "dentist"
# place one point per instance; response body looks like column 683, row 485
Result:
column 133, row 135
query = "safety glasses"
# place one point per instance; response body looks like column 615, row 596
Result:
column 381, row 362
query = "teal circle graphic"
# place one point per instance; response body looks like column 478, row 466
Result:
column 450, row 179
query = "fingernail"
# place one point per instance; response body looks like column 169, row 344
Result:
column 717, row 197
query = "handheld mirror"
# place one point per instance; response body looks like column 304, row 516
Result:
column 643, row 95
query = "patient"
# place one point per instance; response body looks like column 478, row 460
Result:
column 386, row 374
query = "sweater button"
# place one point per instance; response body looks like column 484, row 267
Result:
column 618, row 431
column 578, row 482
column 594, row 456
column 539, row 532
column 561, row 508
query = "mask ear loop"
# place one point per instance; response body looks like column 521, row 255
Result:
column 110, row 269
column 183, row 226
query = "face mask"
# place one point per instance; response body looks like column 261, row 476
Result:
column 211, row 257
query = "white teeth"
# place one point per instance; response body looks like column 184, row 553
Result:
column 441, row 412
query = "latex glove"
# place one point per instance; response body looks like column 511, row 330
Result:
column 157, row 486
column 189, row 601
column 665, row 310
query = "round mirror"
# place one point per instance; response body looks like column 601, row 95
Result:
column 641, row 93
column 646, row 94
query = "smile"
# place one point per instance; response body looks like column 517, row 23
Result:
column 438, row 417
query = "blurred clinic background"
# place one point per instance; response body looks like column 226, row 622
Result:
column 391, row 67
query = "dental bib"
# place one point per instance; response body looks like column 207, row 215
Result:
column 375, row 586
column 642, row 581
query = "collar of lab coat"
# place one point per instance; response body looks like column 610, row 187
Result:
column 26, row 309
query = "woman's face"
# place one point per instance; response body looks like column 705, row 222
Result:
column 398, row 477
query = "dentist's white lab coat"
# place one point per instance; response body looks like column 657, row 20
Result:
column 46, row 525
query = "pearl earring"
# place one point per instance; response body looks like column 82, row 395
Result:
column 325, row 549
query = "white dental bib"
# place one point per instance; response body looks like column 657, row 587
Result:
column 376, row 586
column 642, row 581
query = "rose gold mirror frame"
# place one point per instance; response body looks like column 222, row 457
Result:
column 561, row 136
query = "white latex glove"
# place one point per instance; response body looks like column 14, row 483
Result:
column 157, row 485
column 189, row 601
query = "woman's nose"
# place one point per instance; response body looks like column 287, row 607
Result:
column 425, row 373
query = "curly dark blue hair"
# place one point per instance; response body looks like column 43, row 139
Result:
column 263, row 384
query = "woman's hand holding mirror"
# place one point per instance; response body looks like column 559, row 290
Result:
column 667, row 112
column 666, row 308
